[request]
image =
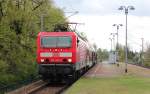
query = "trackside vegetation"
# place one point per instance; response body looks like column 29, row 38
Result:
column 138, row 58
column 19, row 25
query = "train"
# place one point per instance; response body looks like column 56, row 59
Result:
column 63, row 55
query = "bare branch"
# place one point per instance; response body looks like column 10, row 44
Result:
column 37, row 6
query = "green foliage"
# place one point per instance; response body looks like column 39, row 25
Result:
column 121, row 53
column 83, row 35
column 102, row 54
column 19, row 25
column 147, row 57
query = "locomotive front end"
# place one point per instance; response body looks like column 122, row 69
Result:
column 55, row 55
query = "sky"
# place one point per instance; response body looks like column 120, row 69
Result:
column 98, row 17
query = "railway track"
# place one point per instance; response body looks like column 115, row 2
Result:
column 29, row 88
column 55, row 88
column 40, row 87
column 51, row 89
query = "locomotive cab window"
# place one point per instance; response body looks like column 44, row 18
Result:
column 58, row 41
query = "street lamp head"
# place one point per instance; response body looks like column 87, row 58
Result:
column 114, row 24
column 131, row 8
column 120, row 24
column 111, row 33
column 121, row 8
column 112, row 38
column 117, row 25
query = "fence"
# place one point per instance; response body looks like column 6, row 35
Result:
column 4, row 89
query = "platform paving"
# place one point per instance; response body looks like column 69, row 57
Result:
column 105, row 69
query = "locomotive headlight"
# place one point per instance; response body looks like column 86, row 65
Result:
column 69, row 60
column 42, row 60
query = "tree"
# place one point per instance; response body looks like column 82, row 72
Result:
column 147, row 57
column 102, row 54
column 121, row 53
column 131, row 54
column 19, row 25
column 83, row 36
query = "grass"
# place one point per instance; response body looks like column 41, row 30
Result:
column 118, row 85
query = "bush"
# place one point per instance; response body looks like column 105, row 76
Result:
column 19, row 26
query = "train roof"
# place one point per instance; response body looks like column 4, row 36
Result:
column 56, row 33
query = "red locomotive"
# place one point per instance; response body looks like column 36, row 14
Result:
column 63, row 55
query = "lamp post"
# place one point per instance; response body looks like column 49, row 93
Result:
column 126, row 8
column 113, row 35
column 117, row 46
column 114, row 52
column 42, row 17
column 42, row 22
column 111, row 43
column 142, row 53
column 117, row 25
